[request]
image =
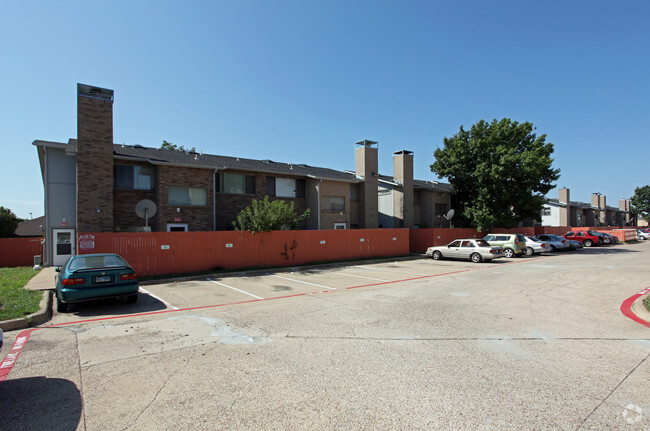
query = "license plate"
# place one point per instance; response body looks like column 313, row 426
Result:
column 104, row 279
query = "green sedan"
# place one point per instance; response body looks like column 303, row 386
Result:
column 95, row 276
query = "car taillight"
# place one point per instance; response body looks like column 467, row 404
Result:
column 494, row 251
column 129, row 276
column 73, row 281
column 544, row 245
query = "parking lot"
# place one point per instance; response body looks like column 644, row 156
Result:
column 527, row 343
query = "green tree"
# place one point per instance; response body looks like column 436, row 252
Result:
column 265, row 216
column 500, row 172
column 640, row 203
column 8, row 222
column 169, row 146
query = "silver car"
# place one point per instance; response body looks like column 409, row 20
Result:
column 557, row 242
column 473, row 249
column 536, row 246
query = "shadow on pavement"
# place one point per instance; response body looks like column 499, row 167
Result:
column 39, row 403
column 111, row 307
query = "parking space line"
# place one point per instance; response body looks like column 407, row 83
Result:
column 303, row 282
column 234, row 288
column 361, row 276
column 387, row 270
column 167, row 304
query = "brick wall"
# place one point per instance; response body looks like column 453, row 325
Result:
column 197, row 217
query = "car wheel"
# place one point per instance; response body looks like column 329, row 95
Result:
column 437, row 255
column 588, row 243
column 508, row 252
column 132, row 299
column 61, row 306
column 475, row 257
column 529, row 251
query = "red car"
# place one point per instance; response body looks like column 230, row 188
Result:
column 586, row 237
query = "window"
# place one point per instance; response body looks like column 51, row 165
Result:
column 133, row 177
column 285, row 187
column 455, row 244
column 466, row 244
column 188, row 197
column 546, row 211
column 334, row 203
column 236, row 184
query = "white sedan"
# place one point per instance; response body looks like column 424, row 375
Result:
column 473, row 249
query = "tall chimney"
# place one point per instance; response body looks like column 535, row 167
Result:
column 367, row 167
column 94, row 159
column 565, row 212
column 403, row 196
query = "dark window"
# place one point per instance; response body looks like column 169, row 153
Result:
column 133, row 177
column 236, row 184
column 270, row 186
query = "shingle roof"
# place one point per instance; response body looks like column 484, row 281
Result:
column 209, row 161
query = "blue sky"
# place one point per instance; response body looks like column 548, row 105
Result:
column 302, row 81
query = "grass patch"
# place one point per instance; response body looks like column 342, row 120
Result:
column 646, row 302
column 16, row 302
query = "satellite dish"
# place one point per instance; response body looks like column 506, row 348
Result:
column 450, row 214
column 145, row 209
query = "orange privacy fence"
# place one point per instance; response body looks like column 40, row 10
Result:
column 19, row 251
column 160, row 253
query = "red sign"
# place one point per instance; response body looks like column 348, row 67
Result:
column 87, row 243
column 178, row 219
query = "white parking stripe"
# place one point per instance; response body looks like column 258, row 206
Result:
column 388, row 270
column 360, row 276
column 167, row 304
column 234, row 288
column 303, row 282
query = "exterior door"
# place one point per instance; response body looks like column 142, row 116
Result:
column 340, row 225
column 64, row 245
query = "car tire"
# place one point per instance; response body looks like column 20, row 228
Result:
column 436, row 255
column 61, row 307
column 529, row 251
column 475, row 257
column 509, row 253
column 132, row 299
column 588, row 243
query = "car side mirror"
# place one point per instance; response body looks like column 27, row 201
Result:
column 57, row 269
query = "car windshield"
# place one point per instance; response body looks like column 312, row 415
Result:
column 91, row 262
column 482, row 243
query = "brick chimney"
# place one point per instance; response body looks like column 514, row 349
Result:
column 94, row 159
column 367, row 167
column 565, row 212
column 599, row 201
column 403, row 196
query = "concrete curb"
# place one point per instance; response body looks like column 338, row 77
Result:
column 639, row 309
column 43, row 315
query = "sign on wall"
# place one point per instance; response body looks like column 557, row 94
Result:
column 87, row 243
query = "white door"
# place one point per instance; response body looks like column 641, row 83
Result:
column 340, row 225
column 64, row 245
column 176, row 227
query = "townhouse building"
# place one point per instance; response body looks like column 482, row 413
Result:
column 92, row 184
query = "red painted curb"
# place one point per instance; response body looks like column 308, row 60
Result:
column 626, row 307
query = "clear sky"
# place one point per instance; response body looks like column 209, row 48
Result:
column 301, row 81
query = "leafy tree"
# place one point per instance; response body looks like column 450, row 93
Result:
column 265, row 216
column 8, row 222
column 500, row 172
column 640, row 203
column 169, row 146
